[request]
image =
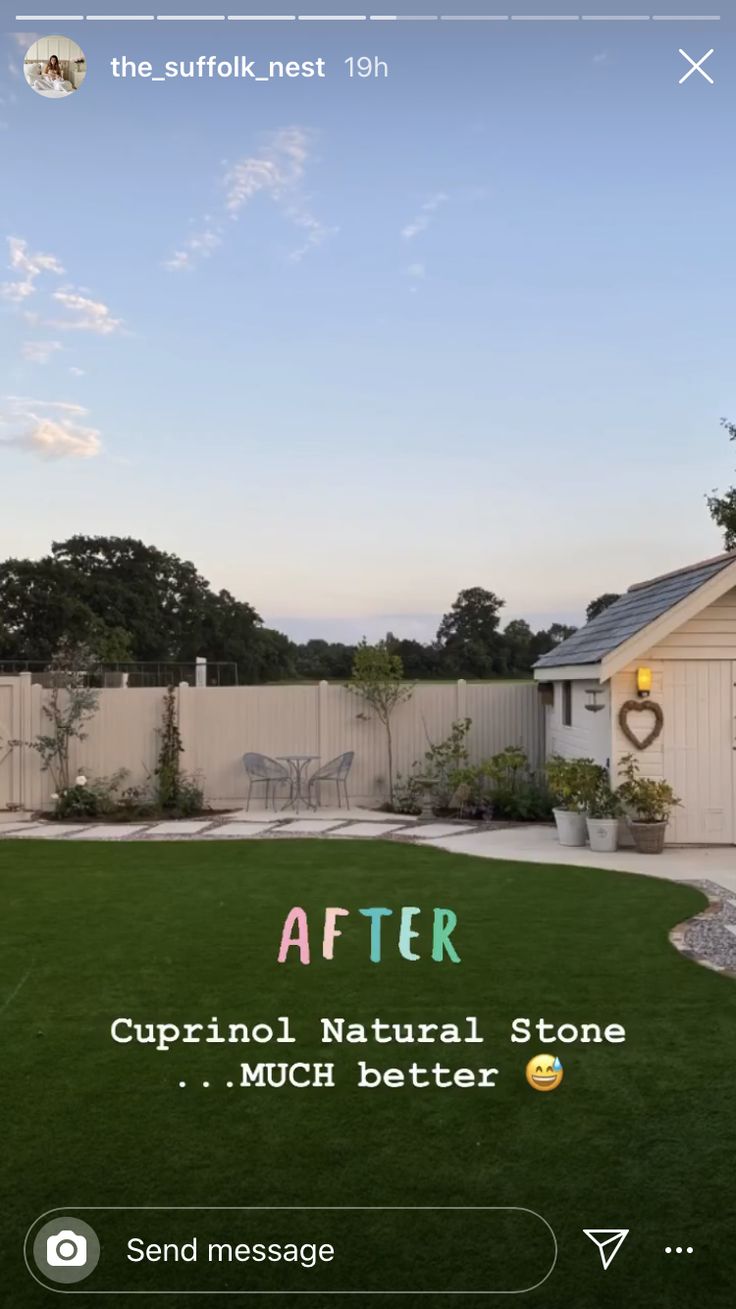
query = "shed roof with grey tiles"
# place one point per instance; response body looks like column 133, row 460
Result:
column 634, row 611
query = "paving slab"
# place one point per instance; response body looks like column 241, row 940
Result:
column 239, row 830
column 183, row 827
column 306, row 827
column 11, row 827
column 369, row 829
column 112, row 831
column 47, row 831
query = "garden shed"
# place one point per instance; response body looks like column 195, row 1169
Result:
column 654, row 675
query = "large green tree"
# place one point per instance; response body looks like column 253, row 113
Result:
column 600, row 604
column 320, row 660
column 130, row 600
column 419, row 658
column 549, row 637
column 468, row 637
column 518, row 638
column 723, row 507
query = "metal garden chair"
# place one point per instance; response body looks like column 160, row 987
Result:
column 261, row 768
column 335, row 771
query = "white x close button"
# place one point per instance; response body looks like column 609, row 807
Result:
column 697, row 67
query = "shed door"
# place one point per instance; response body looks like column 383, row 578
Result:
column 699, row 736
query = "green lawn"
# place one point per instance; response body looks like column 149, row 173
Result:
column 639, row 1135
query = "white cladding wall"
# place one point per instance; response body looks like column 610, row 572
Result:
column 589, row 734
column 696, row 749
column 710, row 635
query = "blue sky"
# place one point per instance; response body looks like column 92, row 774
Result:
column 351, row 346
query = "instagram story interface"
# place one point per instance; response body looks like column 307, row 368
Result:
column 368, row 656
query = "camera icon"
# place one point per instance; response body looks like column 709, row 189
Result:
column 66, row 1250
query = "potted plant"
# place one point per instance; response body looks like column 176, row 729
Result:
column 604, row 811
column 649, row 802
column 572, row 783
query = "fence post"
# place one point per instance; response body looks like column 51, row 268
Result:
column 184, row 716
column 200, row 675
column 24, row 786
column 323, row 691
column 462, row 698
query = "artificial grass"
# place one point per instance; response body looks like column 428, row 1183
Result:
column 640, row 1135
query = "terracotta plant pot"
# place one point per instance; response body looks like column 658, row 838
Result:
column 571, row 829
column 648, row 837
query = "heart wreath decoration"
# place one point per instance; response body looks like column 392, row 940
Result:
column 638, row 706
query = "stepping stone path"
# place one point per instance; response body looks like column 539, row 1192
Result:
column 240, row 825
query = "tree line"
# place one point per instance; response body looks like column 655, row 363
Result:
column 128, row 601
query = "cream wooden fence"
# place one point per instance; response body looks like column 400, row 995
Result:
column 218, row 724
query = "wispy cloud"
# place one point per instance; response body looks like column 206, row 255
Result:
column 28, row 268
column 316, row 232
column 39, row 352
column 85, row 315
column 49, row 429
column 20, row 403
column 277, row 172
column 417, row 272
column 199, row 246
column 82, row 313
column 24, row 40
column 423, row 218
column 76, row 372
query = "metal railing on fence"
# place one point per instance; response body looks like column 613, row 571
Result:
column 134, row 673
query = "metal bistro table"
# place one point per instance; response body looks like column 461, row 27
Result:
column 298, row 765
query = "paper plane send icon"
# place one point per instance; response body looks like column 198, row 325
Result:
column 609, row 1241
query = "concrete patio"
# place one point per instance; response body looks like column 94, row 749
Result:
column 537, row 843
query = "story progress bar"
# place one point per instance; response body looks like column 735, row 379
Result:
column 368, row 18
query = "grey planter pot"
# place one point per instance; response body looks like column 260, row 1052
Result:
column 648, row 837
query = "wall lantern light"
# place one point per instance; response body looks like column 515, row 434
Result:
column 643, row 682
column 593, row 706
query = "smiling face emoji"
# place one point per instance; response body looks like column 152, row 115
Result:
column 544, row 1072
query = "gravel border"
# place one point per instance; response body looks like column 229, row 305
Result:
column 705, row 938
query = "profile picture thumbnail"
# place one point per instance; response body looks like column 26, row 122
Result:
column 55, row 67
